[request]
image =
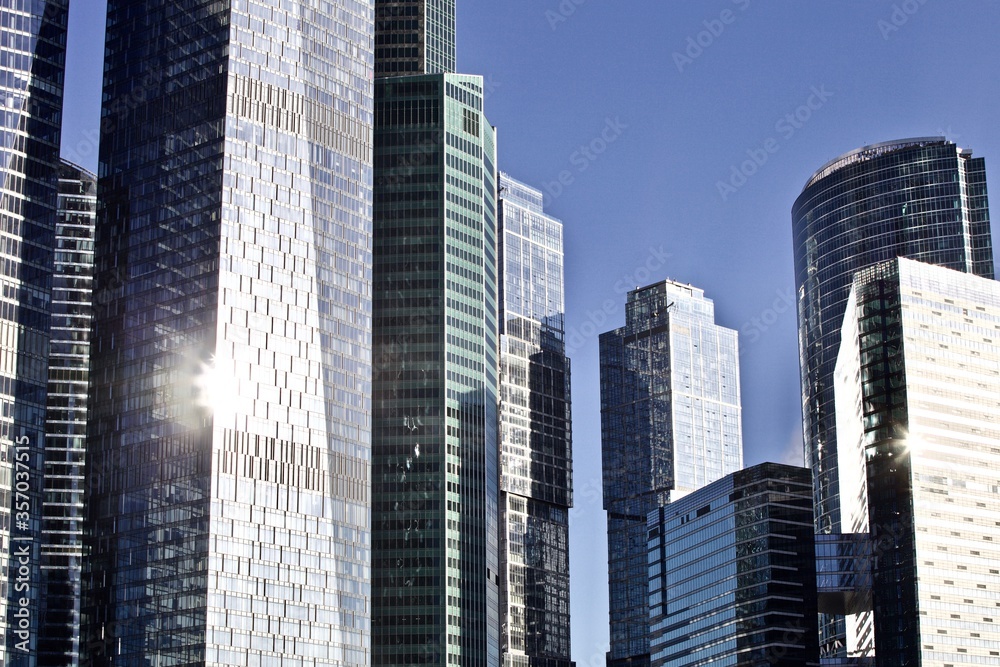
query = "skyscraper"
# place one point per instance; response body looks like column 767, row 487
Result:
column 229, row 435
column 66, row 419
column 670, row 424
column 31, row 86
column 435, row 535
column 435, row 574
column 732, row 573
column 922, row 198
column 536, row 464
column 918, row 408
column 414, row 37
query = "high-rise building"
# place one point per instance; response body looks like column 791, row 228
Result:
column 918, row 413
column 921, row 198
column 66, row 420
column 31, row 85
column 536, row 464
column 670, row 424
column 229, row 428
column 414, row 37
column 435, row 573
column 732, row 573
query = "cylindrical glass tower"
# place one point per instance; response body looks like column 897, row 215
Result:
column 922, row 198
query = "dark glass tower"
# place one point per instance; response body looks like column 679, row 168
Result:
column 229, row 434
column 414, row 37
column 31, row 84
column 536, row 472
column 921, row 198
column 435, row 573
column 732, row 573
column 670, row 423
column 918, row 198
column 66, row 420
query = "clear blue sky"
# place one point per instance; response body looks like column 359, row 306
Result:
column 565, row 72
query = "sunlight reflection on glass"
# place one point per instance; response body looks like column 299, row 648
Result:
column 216, row 386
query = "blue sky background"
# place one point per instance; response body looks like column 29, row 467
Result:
column 644, row 202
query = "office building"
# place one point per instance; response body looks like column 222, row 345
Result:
column 732, row 574
column 435, row 573
column 670, row 424
column 31, row 85
column 62, row 506
column 918, row 407
column 229, row 431
column 922, row 198
column 414, row 37
column 536, row 463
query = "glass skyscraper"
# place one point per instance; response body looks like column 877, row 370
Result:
column 31, row 86
column 66, row 419
column 229, row 435
column 436, row 570
column 535, row 437
column 918, row 408
column 414, row 37
column 670, row 424
column 922, row 198
column 732, row 573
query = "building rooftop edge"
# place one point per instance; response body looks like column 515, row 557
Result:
column 715, row 489
column 869, row 152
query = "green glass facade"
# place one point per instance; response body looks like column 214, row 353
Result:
column 435, row 532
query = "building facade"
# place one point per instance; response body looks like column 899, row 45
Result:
column 670, row 424
column 435, row 533
column 922, row 198
column 732, row 573
column 31, row 85
column 414, row 37
column 229, row 434
column 918, row 394
column 66, row 419
column 536, row 458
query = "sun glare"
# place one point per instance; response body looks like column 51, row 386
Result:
column 216, row 388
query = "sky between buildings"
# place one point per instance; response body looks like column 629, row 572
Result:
column 672, row 138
